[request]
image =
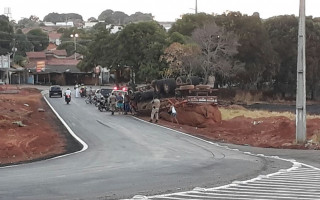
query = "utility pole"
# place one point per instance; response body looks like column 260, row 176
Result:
column 196, row 9
column 301, row 78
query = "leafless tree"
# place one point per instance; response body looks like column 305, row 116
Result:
column 218, row 47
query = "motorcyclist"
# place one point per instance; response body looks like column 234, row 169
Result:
column 67, row 93
column 90, row 91
column 83, row 90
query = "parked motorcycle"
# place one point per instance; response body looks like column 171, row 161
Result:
column 68, row 98
column 103, row 104
column 83, row 92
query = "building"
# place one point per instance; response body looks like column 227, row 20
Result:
column 114, row 28
column 4, row 68
column 54, row 67
column 89, row 25
column 65, row 24
column 55, row 38
column 166, row 25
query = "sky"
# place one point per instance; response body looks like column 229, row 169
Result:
column 162, row 10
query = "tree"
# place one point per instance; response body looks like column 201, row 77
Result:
column 22, row 43
column 142, row 44
column 105, row 15
column 39, row 39
column 312, row 58
column 30, row 22
column 92, row 19
column 139, row 17
column 218, row 48
column 34, row 18
column 103, row 50
column 56, row 17
column 283, row 32
column 182, row 59
column 255, row 49
column 177, row 37
column 189, row 22
column 6, row 35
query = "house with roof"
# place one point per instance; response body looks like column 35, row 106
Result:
column 65, row 24
column 54, row 67
column 114, row 28
column 55, row 38
column 88, row 25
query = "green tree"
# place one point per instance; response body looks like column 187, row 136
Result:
column 6, row 35
column 30, row 22
column 103, row 50
column 82, row 41
column 105, row 15
column 177, row 37
column 141, row 45
column 189, row 22
column 22, row 43
column 138, row 17
column 56, row 17
column 312, row 58
column 39, row 39
column 255, row 49
column 283, row 33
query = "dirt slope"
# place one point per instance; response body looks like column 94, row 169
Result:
column 28, row 129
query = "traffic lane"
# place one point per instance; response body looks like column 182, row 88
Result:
column 146, row 138
column 155, row 161
column 106, row 131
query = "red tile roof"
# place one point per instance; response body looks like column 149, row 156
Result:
column 62, row 52
column 62, row 62
column 52, row 46
column 54, row 35
column 36, row 54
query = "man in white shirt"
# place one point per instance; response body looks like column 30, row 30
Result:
column 76, row 87
column 66, row 93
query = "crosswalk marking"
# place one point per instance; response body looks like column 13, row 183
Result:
column 299, row 182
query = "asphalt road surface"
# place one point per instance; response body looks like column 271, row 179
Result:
column 124, row 156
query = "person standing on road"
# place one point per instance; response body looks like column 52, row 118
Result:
column 126, row 104
column 76, row 87
column 155, row 109
column 119, row 98
column 112, row 101
column 133, row 103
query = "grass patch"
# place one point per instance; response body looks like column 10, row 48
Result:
column 228, row 113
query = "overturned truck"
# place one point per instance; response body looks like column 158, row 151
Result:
column 186, row 93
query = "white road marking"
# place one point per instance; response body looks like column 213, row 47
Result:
column 301, row 181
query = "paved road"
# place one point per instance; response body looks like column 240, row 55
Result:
column 127, row 157
column 301, row 181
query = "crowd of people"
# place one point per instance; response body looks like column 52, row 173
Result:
column 123, row 103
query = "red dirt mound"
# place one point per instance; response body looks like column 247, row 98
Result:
column 25, row 132
column 196, row 115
